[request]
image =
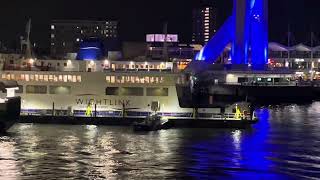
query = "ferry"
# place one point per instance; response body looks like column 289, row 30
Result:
column 106, row 89
column 9, row 105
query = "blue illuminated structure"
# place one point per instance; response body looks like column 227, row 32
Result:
column 246, row 29
column 91, row 49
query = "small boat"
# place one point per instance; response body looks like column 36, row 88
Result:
column 10, row 105
column 150, row 123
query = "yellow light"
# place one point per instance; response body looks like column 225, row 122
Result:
column 106, row 62
column 31, row 61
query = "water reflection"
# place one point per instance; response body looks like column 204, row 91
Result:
column 285, row 144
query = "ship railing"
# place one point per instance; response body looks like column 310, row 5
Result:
column 81, row 113
column 226, row 116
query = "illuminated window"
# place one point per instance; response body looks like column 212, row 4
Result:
column 69, row 78
column 112, row 79
column 50, row 78
column 127, row 79
column 52, row 27
column 65, row 78
column 147, row 79
column 40, row 77
column 12, row 77
column 27, row 77
column 78, row 78
column 46, row 78
column 3, row 76
column 151, row 80
column 137, row 79
column 36, row 77
column 132, row 79
column 55, row 78
column 74, row 78
column 108, row 79
column 60, row 78
column 142, row 80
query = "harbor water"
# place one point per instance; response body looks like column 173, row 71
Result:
column 285, row 144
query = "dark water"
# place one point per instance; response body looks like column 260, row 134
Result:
column 285, row 144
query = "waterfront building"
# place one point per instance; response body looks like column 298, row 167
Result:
column 67, row 35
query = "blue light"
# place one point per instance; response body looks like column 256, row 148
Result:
column 246, row 28
column 91, row 49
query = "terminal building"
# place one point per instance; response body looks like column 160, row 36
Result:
column 67, row 35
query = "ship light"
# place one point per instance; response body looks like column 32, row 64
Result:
column 299, row 60
column 318, row 60
column 31, row 61
column 69, row 62
column 106, row 62
column 11, row 92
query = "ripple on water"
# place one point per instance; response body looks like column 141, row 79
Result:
column 285, row 144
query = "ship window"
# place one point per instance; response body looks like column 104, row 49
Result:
column 157, row 92
column 55, row 78
column 113, row 91
column 20, row 90
column 32, row 77
column 124, row 91
column 78, row 78
column 131, row 91
column 60, row 90
column 74, row 78
column 27, row 77
column 65, row 64
column 65, row 78
column 30, row 89
column 113, row 79
column 50, row 78
column 46, row 78
column 12, row 77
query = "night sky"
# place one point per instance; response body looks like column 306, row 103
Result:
column 147, row 16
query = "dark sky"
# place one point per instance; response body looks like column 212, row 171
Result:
column 147, row 16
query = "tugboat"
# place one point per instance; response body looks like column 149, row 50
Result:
column 150, row 123
column 10, row 105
